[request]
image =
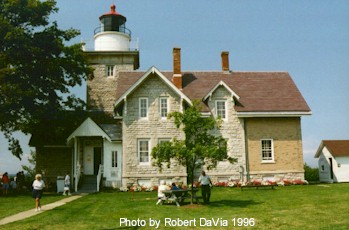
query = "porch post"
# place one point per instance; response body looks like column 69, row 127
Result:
column 75, row 168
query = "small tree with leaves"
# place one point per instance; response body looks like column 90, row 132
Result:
column 202, row 144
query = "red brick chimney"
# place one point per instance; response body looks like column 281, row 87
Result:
column 177, row 75
column 225, row 61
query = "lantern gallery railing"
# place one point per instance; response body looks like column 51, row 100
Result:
column 120, row 29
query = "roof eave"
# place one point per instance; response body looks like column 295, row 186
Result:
column 274, row 114
column 319, row 150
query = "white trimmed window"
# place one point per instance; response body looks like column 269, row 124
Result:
column 267, row 150
column 221, row 110
column 143, row 107
column 164, row 107
column 114, row 159
column 162, row 140
column 143, row 151
column 110, row 70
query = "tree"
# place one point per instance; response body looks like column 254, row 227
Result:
column 202, row 145
column 31, row 169
column 37, row 68
column 311, row 174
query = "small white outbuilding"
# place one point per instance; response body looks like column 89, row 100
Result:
column 333, row 161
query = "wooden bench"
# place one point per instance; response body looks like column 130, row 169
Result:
column 176, row 196
column 179, row 196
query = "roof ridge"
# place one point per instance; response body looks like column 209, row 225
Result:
column 210, row 71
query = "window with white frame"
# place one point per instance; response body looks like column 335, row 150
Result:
column 114, row 159
column 110, row 70
column 267, row 150
column 143, row 107
column 221, row 110
column 164, row 107
column 143, row 151
column 163, row 140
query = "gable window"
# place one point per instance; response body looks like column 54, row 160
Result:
column 163, row 107
column 114, row 159
column 143, row 151
column 110, row 70
column 221, row 110
column 267, row 150
column 143, row 107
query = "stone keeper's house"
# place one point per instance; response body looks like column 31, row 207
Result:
column 127, row 117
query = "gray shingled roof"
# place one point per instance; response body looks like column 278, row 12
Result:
column 114, row 131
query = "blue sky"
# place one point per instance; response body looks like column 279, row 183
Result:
column 308, row 39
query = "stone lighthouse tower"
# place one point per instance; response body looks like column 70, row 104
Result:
column 112, row 53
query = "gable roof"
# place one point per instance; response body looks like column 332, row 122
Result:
column 129, row 86
column 338, row 148
column 88, row 128
column 258, row 92
column 221, row 83
column 111, row 132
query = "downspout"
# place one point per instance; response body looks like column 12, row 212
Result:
column 246, row 152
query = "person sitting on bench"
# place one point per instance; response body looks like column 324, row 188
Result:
column 161, row 195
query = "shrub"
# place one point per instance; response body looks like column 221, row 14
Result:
column 311, row 174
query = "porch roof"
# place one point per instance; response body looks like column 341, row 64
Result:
column 89, row 128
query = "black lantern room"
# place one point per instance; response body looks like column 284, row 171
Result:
column 113, row 21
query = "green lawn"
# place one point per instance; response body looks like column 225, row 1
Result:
column 15, row 203
column 323, row 206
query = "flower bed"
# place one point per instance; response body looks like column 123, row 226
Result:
column 235, row 183
column 229, row 183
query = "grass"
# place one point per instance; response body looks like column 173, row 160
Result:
column 15, row 203
column 323, row 206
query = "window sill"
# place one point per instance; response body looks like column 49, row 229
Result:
column 268, row 162
column 143, row 119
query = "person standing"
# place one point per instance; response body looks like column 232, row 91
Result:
column 5, row 183
column 66, row 185
column 206, row 184
column 38, row 186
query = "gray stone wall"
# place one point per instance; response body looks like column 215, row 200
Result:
column 101, row 93
column 153, row 129
column 232, row 129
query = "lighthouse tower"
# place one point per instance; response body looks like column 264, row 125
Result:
column 112, row 33
column 112, row 53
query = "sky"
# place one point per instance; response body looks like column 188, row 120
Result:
column 308, row 39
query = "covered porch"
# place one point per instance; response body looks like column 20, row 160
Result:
column 96, row 156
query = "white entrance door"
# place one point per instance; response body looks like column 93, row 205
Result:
column 112, row 163
column 115, row 172
column 88, row 160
